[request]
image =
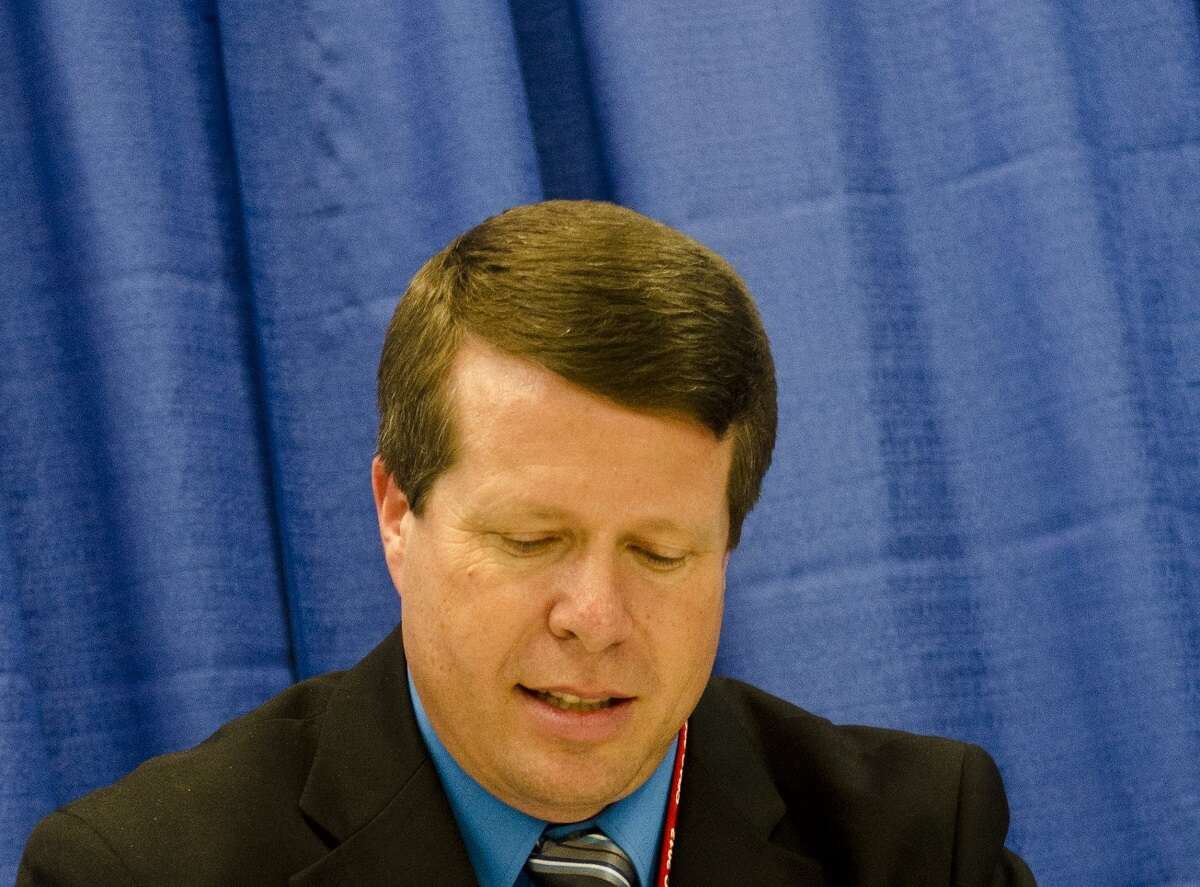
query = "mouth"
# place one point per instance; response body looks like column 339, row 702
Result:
column 564, row 701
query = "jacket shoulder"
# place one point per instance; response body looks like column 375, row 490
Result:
column 856, row 761
column 239, row 790
column 888, row 805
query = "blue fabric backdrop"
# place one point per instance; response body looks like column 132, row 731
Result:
column 974, row 230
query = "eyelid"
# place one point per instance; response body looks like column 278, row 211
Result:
column 535, row 544
column 660, row 561
column 520, row 547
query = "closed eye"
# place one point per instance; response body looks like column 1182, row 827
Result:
column 527, row 547
column 659, row 561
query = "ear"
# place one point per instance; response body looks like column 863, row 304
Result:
column 393, row 513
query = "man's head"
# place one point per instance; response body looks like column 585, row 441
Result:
column 577, row 409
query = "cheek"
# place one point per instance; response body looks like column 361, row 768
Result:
column 699, row 651
column 698, row 638
column 478, row 621
column 682, row 629
column 433, row 599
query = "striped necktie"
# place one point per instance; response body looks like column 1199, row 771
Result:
column 585, row 858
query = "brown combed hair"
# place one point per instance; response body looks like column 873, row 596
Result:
column 608, row 299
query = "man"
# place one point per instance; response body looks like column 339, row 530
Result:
column 577, row 409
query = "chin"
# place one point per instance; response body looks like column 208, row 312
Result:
column 571, row 799
column 570, row 806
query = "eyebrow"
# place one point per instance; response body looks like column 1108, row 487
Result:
column 517, row 510
column 662, row 523
column 485, row 517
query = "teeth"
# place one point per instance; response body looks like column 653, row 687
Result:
column 568, row 702
column 567, row 697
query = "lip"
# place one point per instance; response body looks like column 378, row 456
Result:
column 577, row 727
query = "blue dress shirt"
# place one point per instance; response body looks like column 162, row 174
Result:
column 499, row 838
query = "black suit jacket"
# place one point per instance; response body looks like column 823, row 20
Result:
column 330, row 783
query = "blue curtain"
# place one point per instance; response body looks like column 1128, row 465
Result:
column 974, row 231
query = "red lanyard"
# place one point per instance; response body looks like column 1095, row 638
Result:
column 668, row 836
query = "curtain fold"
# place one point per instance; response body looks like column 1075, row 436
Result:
column 138, row 525
column 973, row 229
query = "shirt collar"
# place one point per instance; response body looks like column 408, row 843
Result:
column 499, row 838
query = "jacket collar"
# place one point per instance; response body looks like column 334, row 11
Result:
column 373, row 789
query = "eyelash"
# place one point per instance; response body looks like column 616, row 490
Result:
column 531, row 547
column 526, row 546
column 660, row 560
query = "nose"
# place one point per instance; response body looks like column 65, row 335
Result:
column 591, row 606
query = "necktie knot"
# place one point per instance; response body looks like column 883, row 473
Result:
column 586, row 858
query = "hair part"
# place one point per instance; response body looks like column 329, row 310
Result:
column 604, row 297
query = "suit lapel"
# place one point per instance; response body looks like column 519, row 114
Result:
column 373, row 789
column 729, row 808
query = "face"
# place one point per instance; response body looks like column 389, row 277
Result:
column 562, row 590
